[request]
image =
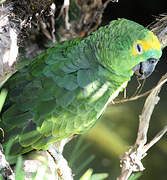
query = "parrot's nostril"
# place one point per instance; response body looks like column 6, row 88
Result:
column 141, row 69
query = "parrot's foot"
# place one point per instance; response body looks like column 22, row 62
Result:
column 64, row 172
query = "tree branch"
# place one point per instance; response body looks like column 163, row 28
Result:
column 8, row 46
column 5, row 170
column 131, row 160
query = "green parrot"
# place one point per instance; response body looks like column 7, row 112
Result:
column 65, row 90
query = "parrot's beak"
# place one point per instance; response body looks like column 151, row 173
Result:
column 145, row 69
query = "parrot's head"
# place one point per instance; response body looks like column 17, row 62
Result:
column 129, row 48
column 147, row 51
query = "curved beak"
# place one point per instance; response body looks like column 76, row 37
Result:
column 145, row 69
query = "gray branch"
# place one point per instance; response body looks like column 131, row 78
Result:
column 131, row 160
column 5, row 170
column 8, row 46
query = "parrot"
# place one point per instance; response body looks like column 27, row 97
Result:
column 65, row 90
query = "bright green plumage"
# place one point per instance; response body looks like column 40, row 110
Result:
column 65, row 90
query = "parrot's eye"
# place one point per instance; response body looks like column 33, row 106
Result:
column 138, row 48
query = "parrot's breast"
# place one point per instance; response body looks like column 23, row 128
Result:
column 112, row 97
column 96, row 104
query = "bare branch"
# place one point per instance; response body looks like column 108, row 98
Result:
column 131, row 160
column 65, row 11
column 155, row 139
column 63, row 170
column 8, row 46
column 148, row 108
column 133, row 98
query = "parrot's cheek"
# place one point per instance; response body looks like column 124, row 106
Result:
column 145, row 69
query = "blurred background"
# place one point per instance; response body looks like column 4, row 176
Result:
column 118, row 127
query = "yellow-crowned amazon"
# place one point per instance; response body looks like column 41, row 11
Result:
column 66, row 89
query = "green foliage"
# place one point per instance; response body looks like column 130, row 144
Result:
column 3, row 95
column 19, row 174
column 135, row 176
column 9, row 158
column 79, row 149
column 99, row 176
column 84, row 164
column 88, row 175
column 77, row 152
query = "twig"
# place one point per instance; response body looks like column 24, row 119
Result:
column 131, row 160
column 43, row 27
column 65, row 10
column 132, row 98
column 155, row 139
column 53, row 10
